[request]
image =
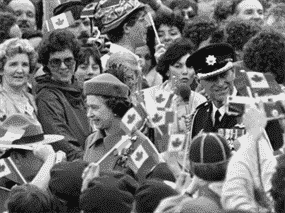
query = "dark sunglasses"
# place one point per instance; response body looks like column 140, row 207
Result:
column 56, row 62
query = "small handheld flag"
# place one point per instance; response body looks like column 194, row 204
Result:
column 60, row 21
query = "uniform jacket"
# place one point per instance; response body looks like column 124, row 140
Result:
column 61, row 110
column 202, row 120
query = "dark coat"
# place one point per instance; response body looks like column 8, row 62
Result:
column 61, row 110
column 202, row 120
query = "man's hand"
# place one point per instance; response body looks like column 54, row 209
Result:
column 159, row 51
column 90, row 172
column 44, row 151
column 255, row 119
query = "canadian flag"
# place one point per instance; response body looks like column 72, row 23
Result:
column 163, row 99
column 139, row 157
column 144, row 157
column 176, row 142
column 130, row 120
column 257, row 80
column 158, row 118
column 60, row 21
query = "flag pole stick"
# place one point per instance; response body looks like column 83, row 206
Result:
column 153, row 27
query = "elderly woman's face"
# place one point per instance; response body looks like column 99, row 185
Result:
column 62, row 66
column 16, row 70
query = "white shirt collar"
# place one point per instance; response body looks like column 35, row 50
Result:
column 222, row 110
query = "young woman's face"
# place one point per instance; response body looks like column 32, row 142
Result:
column 168, row 34
column 16, row 70
column 179, row 73
column 87, row 70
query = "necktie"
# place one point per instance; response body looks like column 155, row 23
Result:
column 217, row 118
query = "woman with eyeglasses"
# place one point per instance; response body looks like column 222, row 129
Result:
column 17, row 62
column 58, row 97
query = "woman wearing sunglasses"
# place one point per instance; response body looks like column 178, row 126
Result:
column 58, row 96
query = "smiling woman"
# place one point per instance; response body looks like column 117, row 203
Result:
column 17, row 61
column 58, row 96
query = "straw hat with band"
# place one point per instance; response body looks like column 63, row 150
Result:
column 212, row 60
column 20, row 132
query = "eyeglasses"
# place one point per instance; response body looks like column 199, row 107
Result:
column 56, row 62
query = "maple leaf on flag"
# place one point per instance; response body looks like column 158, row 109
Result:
column 60, row 21
column 163, row 98
column 139, row 156
column 176, row 142
column 158, row 118
column 257, row 80
column 130, row 120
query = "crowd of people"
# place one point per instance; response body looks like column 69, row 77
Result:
column 142, row 106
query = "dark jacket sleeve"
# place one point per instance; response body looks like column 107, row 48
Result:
column 52, row 118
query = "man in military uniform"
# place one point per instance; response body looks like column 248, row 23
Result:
column 213, row 66
column 215, row 71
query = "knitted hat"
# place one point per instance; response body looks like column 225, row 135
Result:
column 161, row 172
column 110, row 14
column 199, row 205
column 150, row 193
column 209, row 148
column 74, row 6
column 66, row 180
column 212, row 60
column 106, row 84
column 109, row 193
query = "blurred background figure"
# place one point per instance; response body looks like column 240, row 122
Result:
column 90, row 64
column 25, row 11
column 188, row 9
column 9, row 27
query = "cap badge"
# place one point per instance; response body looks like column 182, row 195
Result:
column 211, row 60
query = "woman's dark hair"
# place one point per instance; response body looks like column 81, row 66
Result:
column 265, row 53
column 115, row 35
column 7, row 21
column 200, row 29
column 119, row 106
column 87, row 51
column 162, row 19
column 210, row 172
column 29, row 198
column 57, row 41
column 175, row 51
column 238, row 32
column 278, row 185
